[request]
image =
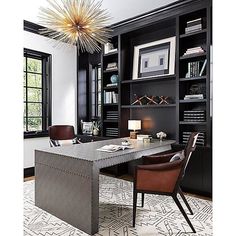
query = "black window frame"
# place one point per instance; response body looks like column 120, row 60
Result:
column 94, row 93
column 46, row 92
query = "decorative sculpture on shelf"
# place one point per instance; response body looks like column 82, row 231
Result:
column 144, row 100
column 151, row 100
column 163, row 100
column 138, row 100
column 78, row 22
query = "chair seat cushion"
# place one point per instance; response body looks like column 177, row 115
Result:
column 58, row 143
column 177, row 156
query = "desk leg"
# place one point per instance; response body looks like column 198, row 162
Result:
column 68, row 189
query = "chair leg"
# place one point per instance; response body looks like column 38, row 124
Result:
column 185, row 201
column 142, row 199
column 134, row 206
column 183, row 212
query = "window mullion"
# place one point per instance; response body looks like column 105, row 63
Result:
column 26, row 95
column 44, row 95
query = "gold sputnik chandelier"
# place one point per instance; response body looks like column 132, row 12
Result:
column 78, row 22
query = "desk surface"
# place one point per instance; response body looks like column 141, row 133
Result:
column 67, row 178
column 89, row 152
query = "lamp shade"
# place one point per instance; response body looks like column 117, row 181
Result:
column 134, row 124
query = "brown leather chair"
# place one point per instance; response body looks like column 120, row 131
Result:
column 159, row 176
column 61, row 132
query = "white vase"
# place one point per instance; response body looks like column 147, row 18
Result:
column 95, row 132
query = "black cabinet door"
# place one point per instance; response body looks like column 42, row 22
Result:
column 193, row 177
column 207, row 171
column 198, row 174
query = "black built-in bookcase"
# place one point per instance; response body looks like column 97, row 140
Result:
column 162, row 23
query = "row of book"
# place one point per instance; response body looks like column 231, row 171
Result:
column 195, row 116
column 193, row 25
column 111, row 132
column 196, row 68
column 193, row 96
column 194, row 50
column 200, row 140
column 110, row 97
column 112, row 115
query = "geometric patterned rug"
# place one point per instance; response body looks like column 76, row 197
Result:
column 159, row 216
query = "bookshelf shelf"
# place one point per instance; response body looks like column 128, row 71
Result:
column 110, row 121
column 110, row 71
column 193, row 56
column 193, row 78
column 110, row 87
column 110, row 104
column 192, row 101
column 193, row 33
column 149, row 106
column 192, row 123
column 148, row 79
column 111, row 53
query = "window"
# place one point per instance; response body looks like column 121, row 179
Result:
column 37, row 100
column 96, row 92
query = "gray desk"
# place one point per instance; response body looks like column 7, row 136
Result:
column 67, row 178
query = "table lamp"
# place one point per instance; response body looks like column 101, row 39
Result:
column 134, row 125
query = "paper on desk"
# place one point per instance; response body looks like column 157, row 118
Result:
column 112, row 148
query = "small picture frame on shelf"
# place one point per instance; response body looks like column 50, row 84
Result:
column 154, row 59
column 87, row 127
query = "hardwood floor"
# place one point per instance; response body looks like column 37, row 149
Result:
column 29, row 178
column 129, row 178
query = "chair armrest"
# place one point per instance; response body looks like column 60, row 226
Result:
column 158, row 158
column 162, row 166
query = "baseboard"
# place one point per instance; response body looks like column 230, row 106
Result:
column 198, row 192
column 28, row 172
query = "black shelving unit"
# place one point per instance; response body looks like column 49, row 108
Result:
column 110, row 127
column 195, row 39
column 159, row 24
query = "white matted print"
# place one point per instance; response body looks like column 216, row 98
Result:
column 154, row 59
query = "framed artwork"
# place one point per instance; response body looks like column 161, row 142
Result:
column 154, row 59
column 87, row 127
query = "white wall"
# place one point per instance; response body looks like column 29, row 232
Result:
column 63, row 87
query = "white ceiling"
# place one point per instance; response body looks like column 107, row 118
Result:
column 119, row 9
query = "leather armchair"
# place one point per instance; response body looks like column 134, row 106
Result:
column 61, row 132
column 158, row 175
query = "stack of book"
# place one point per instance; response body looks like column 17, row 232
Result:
column 110, row 97
column 112, row 115
column 200, row 140
column 112, row 66
column 196, row 68
column 193, row 26
column 193, row 96
column 194, row 116
column 111, row 132
column 141, row 137
column 194, row 50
